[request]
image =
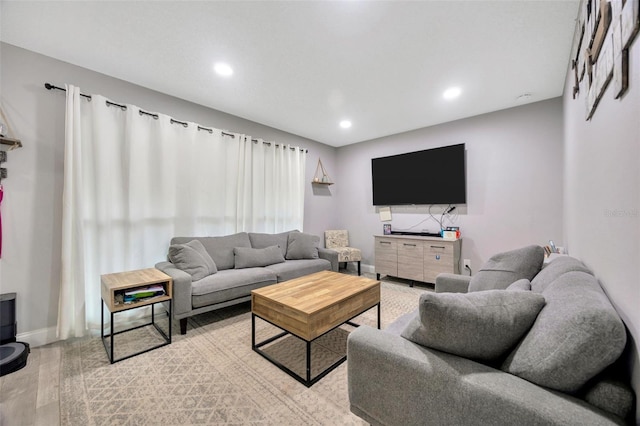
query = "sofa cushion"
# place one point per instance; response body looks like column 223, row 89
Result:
column 291, row 269
column 253, row 257
column 576, row 335
column 609, row 394
column 505, row 268
column 260, row 240
column 220, row 248
column 229, row 284
column 302, row 246
column 482, row 325
column 520, row 285
column 192, row 258
column 560, row 265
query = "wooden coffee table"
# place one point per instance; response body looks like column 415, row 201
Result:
column 309, row 307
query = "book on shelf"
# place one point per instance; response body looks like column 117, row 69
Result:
column 140, row 293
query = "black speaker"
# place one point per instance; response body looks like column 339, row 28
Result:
column 8, row 324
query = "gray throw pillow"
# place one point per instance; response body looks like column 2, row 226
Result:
column 559, row 266
column 481, row 326
column 254, row 258
column 302, row 246
column 262, row 240
column 520, row 285
column 576, row 335
column 193, row 259
column 502, row 269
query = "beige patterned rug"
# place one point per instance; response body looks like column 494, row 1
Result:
column 211, row 375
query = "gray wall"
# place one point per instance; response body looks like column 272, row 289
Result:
column 514, row 181
column 32, row 207
column 529, row 171
column 602, row 196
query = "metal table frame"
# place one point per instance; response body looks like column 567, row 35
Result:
column 308, row 381
column 109, row 349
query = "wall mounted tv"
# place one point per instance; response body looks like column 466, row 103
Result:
column 432, row 176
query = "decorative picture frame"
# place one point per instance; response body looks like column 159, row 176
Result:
column 604, row 33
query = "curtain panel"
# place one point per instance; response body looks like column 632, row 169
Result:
column 132, row 182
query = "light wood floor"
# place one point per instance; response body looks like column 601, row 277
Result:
column 30, row 396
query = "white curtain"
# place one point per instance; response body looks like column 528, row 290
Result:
column 133, row 181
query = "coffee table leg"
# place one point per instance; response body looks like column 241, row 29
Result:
column 378, row 315
column 308, row 363
column 253, row 330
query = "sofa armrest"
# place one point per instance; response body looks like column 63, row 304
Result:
column 331, row 256
column 181, row 288
column 392, row 381
column 452, row 283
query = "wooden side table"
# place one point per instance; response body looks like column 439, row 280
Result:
column 113, row 287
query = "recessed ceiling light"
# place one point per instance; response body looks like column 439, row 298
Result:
column 345, row 124
column 451, row 93
column 223, row 69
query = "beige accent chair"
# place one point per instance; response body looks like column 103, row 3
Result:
column 338, row 240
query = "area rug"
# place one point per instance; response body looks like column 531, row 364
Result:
column 211, row 375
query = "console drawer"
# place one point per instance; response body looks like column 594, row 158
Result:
column 438, row 257
column 410, row 257
column 386, row 253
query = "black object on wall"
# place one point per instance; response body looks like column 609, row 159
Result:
column 431, row 176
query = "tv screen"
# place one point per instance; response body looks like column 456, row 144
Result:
column 432, row 176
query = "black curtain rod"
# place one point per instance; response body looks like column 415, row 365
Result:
column 50, row 86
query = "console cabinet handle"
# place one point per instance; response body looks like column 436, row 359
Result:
column 440, row 247
column 410, row 245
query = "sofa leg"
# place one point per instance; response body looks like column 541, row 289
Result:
column 358, row 268
column 183, row 325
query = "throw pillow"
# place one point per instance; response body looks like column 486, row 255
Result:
column 554, row 269
column 520, row 285
column 262, row 240
column 505, row 268
column 192, row 258
column 481, row 326
column 576, row 335
column 254, row 258
column 302, row 246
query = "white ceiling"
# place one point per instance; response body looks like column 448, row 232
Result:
column 304, row 66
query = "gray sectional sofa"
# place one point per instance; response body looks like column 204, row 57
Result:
column 215, row 272
column 515, row 344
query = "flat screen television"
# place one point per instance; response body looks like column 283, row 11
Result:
column 432, row 176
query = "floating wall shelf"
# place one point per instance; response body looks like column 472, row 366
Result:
column 321, row 177
column 13, row 143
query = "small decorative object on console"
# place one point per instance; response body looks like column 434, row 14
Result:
column 451, row 232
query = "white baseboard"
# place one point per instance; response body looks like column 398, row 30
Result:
column 41, row 337
column 352, row 266
column 371, row 269
column 44, row 336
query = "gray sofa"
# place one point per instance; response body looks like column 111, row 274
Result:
column 210, row 273
column 516, row 344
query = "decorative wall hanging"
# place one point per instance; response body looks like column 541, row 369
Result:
column 604, row 33
column 321, row 177
column 6, row 140
column 13, row 144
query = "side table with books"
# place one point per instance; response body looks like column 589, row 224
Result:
column 123, row 291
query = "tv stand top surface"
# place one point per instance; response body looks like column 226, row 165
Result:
column 420, row 234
